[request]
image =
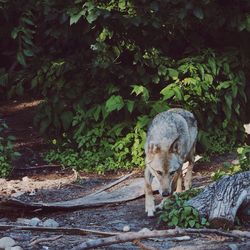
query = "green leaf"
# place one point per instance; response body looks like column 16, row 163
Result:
column 66, row 118
column 115, row 102
column 91, row 17
column 191, row 223
column 175, row 221
column 21, row 59
column 224, row 85
column 96, row 112
column 198, row 12
column 75, row 18
column 130, row 105
column 174, row 74
column 168, row 92
column 28, row 21
column 28, row 52
column 139, row 89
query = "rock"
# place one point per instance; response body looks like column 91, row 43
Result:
column 17, row 194
column 233, row 246
column 126, row 228
column 16, row 248
column 34, row 222
column 50, row 223
column 6, row 242
column 23, row 221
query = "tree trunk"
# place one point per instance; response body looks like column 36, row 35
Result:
column 220, row 201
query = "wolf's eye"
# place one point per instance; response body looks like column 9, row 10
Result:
column 171, row 173
column 159, row 173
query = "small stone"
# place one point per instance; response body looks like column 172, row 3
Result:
column 233, row 246
column 17, row 194
column 145, row 230
column 50, row 223
column 6, row 242
column 16, row 248
column 23, row 221
column 35, row 221
column 25, row 179
column 126, row 228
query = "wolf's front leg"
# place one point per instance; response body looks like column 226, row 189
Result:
column 149, row 198
column 188, row 177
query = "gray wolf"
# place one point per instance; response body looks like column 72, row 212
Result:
column 170, row 142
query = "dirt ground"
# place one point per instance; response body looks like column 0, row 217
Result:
column 32, row 180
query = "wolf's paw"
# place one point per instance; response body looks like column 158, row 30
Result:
column 150, row 207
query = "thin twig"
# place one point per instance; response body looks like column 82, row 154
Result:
column 37, row 241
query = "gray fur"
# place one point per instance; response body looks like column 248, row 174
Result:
column 170, row 142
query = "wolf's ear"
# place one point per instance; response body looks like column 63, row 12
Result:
column 174, row 148
column 154, row 148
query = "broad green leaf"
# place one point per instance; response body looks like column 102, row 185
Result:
column 224, row 85
column 21, row 59
column 175, row 221
column 174, row 74
column 130, row 105
column 228, row 99
column 96, row 112
column 212, row 65
column 168, row 92
column 92, row 16
column 27, row 20
column 115, row 102
column 75, row 18
column 140, row 90
column 191, row 223
column 66, row 118
column 28, row 52
column 198, row 12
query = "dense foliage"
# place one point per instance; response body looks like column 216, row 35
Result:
column 105, row 68
column 7, row 152
column 176, row 211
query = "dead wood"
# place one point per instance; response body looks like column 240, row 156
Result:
column 143, row 246
column 220, row 201
column 126, row 193
column 41, row 240
column 65, row 230
column 144, row 234
column 112, row 184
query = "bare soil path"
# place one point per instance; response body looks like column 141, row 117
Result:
column 32, row 180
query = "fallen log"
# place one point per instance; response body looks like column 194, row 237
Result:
column 220, row 201
column 145, row 234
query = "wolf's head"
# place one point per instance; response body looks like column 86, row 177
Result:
column 164, row 164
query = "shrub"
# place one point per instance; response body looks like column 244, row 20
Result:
column 176, row 212
column 7, row 152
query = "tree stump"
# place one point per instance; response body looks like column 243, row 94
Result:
column 220, row 201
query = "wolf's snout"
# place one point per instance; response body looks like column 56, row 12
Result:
column 165, row 193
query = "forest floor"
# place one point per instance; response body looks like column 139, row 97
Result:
column 33, row 180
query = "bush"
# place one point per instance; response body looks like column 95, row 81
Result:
column 7, row 152
column 229, row 169
column 176, row 212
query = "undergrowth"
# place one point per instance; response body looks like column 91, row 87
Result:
column 231, row 169
column 176, row 211
column 7, row 152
